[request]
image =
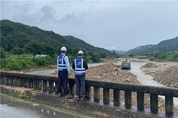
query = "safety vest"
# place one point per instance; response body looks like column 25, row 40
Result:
column 61, row 63
column 79, row 69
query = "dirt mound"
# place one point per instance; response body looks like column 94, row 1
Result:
column 165, row 73
column 168, row 77
column 149, row 65
column 109, row 72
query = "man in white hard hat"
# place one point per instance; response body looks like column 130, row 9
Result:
column 80, row 65
column 63, row 66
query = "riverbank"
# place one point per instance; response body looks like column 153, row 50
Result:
column 165, row 73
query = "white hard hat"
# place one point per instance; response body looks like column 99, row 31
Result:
column 80, row 52
column 63, row 49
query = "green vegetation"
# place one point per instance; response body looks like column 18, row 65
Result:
column 12, row 62
column 165, row 46
column 172, row 56
column 158, row 56
column 24, row 96
column 166, row 50
column 36, row 89
column 18, row 41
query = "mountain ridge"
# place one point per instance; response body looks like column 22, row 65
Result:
column 18, row 34
column 163, row 46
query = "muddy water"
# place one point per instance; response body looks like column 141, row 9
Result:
column 50, row 71
column 146, row 79
column 11, row 107
column 141, row 77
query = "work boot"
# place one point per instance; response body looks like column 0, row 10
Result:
column 77, row 98
column 59, row 94
column 83, row 98
column 69, row 96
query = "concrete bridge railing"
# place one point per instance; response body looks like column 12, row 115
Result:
column 49, row 84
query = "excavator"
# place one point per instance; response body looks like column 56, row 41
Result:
column 126, row 64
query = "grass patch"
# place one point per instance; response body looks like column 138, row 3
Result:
column 36, row 89
column 24, row 96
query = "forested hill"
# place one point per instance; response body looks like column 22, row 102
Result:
column 163, row 46
column 18, row 34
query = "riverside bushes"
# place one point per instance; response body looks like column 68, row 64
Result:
column 165, row 57
column 16, row 64
column 22, row 63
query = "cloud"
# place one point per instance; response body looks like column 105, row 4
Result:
column 108, row 24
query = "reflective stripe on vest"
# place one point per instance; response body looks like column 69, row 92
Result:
column 79, row 69
column 61, row 63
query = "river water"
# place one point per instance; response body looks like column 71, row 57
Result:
column 50, row 71
column 11, row 107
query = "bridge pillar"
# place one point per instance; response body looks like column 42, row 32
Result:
column 88, row 92
column 154, row 103
column 169, row 105
column 128, row 99
column 10, row 81
column 140, row 101
column 44, row 85
column 5, row 80
column 51, row 86
column 96, row 94
column 116, row 96
column 106, row 95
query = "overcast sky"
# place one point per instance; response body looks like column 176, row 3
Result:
column 110, row 24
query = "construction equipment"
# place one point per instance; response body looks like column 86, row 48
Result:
column 126, row 64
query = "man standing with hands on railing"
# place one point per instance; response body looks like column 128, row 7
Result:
column 63, row 66
column 80, row 65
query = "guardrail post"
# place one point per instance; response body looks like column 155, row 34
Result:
column 1, row 80
column 5, row 80
column 140, row 101
column 96, row 94
column 10, row 81
column 34, row 83
column 54, row 87
column 47, row 87
column 88, row 92
column 31, row 83
column 128, row 99
column 116, row 97
column 28, row 83
column 13, row 81
column 51, row 86
column 169, row 105
column 22, row 82
column 154, row 103
column 41, row 85
column 106, row 96
column 44, row 85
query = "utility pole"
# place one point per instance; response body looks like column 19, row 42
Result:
column 167, row 51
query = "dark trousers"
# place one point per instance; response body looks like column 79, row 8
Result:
column 63, row 82
column 80, row 82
